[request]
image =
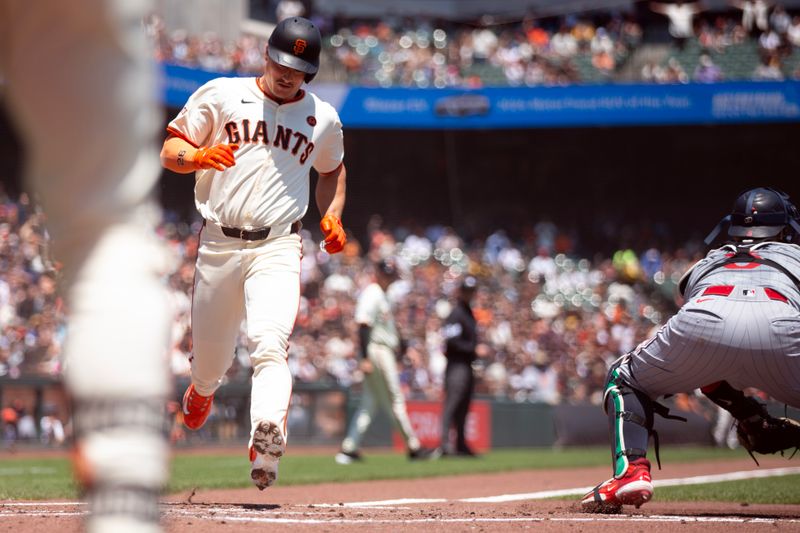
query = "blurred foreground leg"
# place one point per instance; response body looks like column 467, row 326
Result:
column 81, row 86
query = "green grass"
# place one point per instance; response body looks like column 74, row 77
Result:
column 219, row 472
column 36, row 479
column 50, row 478
column 783, row 489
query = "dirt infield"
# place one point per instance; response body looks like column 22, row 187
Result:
column 489, row 502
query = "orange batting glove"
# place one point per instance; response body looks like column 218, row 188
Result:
column 219, row 156
column 333, row 232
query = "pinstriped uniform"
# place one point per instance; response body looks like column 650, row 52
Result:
column 750, row 337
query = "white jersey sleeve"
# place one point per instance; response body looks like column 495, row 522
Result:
column 198, row 119
column 331, row 148
column 368, row 305
column 373, row 310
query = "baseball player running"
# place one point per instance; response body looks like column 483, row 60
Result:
column 379, row 343
column 251, row 143
column 739, row 327
column 81, row 86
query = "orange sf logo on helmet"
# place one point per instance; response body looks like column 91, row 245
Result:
column 299, row 46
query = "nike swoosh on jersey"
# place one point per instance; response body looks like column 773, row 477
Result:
column 247, row 101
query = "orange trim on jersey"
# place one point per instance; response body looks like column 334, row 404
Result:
column 180, row 135
column 299, row 96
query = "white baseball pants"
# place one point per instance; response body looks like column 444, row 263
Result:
column 381, row 390
column 254, row 281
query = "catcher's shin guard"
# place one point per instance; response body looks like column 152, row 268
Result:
column 630, row 421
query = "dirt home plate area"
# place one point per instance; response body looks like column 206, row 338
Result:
column 487, row 502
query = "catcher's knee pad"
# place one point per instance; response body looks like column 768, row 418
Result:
column 630, row 420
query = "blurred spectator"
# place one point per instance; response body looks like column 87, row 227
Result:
column 793, row 33
column 755, row 15
column 748, row 14
column 674, row 72
column 289, row 8
column 10, row 418
column 769, row 69
column 604, row 62
column 761, row 14
column 681, row 19
column 51, row 430
column 707, row 71
column 392, row 51
column 564, row 43
column 26, row 425
column 769, row 41
column 780, row 20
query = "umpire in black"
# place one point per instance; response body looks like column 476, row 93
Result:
column 461, row 337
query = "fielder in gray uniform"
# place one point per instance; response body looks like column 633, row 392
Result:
column 739, row 328
column 379, row 344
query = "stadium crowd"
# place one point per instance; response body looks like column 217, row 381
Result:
column 397, row 51
column 550, row 321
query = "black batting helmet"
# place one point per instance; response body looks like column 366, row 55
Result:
column 760, row 213
column 295, row 43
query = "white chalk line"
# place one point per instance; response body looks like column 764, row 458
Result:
column 694, row 480
column 356, row 521
column 238, row 514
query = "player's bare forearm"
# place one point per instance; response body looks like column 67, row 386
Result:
column 177, row 155
column 330, row 192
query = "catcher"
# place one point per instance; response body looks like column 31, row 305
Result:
column 739, row 328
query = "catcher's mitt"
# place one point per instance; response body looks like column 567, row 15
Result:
column 768, row 434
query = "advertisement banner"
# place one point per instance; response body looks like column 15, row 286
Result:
column 426, row 419
column 573, row 106
column 537, row 107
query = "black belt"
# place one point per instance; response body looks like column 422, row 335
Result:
column 255, row 234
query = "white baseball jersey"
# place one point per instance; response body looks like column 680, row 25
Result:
column 374, row 310
column 680, row 19
column 278, row 145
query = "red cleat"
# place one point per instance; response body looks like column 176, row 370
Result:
column 633, row 488
column 196, row 408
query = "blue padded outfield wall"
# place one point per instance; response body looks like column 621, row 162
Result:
column 540, row 107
